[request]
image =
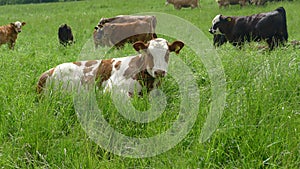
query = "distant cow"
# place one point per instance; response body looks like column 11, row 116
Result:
column 65, row 35
column 226, row 3
column 123, row 29
column 9, row 33
column 258, row 2
column 178, row 4
column 262, row 2
column 130, row 73
column 270, row 26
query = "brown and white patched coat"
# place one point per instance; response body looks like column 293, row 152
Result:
column 9, row 33
column 130, row 73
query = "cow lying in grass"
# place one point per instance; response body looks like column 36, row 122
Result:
column 133, row 72
column 9, row 33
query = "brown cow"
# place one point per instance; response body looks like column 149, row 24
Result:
column 9, row 33
column 127, row 19
column 178, row 4
column 226, row 3
column 123, row 29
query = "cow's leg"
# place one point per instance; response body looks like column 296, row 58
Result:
column 11, row 44
column 270, row 43
column 178, row 7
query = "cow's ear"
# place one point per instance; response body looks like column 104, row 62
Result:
column 12, row 24
column 229, row 19
column 23, row 23
column 139, row 45
column 176, row 46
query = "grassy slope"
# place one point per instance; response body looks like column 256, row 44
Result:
column 259, row 127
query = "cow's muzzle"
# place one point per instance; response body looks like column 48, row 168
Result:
column 212, row 31
column 160, row 73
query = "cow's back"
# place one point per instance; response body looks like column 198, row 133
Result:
column 6, row 34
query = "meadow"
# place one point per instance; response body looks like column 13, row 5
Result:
column 259, row 127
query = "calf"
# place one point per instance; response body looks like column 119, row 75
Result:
column 9, row 33
column 178, row 4
column 131, row 72
column 65, row 35
column 123, row 29
column 226, row 3
column 270, row 26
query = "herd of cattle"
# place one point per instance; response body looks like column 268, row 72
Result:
column 150, row 65
column 178, row 4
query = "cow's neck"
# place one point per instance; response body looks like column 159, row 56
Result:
column 136, row 64
column 227, row 29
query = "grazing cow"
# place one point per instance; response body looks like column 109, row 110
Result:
column 9, row 33
column 132, row 72
column 270, row 26
column 226, row 3
column 65, row 35
column 117, row 34
column 123, row 29
column 127, row 19
column 178, row 4
column 258, row 2
column 263, row 2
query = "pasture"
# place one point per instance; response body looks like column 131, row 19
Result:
column 259, row 127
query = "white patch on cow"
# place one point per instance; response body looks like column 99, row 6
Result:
column 158, row 49
column 118, row 80
column 18, row 26
column 216, row 20
column 67, row 76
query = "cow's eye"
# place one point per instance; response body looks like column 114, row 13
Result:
column 216, row 25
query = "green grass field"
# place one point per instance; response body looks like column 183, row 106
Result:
column 259, row 128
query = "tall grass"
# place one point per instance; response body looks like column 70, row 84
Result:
column 259, row 127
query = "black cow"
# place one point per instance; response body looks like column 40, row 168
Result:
column 270, row 26
column 65, row 35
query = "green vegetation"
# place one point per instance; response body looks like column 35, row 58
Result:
column 260, row 126
column 10, row 2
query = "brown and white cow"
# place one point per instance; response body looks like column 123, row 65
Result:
column 269, row 26
column 123, row 29
column 9, row 33
column 226, row 3
column 178, row 4
column 133, row 72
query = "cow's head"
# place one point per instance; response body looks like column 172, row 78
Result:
column 18, row 26
column 217, row 22
column 157, row 54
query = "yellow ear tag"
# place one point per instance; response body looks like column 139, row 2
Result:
column 228, row 19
